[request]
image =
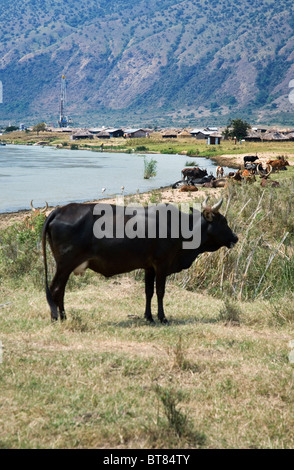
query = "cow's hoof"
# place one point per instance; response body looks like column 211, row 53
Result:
column 164, row 321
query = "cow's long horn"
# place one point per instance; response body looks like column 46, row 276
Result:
column 217, row 206
column 45, row 208
column 33, row 209
column 270, row 169
column 204, row 204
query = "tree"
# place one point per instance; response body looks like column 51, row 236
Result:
column 41, row 127
column 11, row 128
column 237, row 128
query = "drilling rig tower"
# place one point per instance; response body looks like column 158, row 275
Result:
column 63, row 120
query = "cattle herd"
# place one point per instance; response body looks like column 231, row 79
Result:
column 75, row 246
column 194, row 178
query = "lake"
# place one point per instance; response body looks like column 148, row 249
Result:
column 60, row 176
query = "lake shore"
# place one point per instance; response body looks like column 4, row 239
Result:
column 167, row 194
column 163, row 195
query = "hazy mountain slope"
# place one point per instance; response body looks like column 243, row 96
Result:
column 144, row 60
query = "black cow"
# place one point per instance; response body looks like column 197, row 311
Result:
column 261, row 170
column 250, row 158
column 193, row 181
column 72, row 235
column 251, row 167
column 178, row 184
column 204, row 179
column 193, row 172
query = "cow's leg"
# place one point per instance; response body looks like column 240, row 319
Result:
column 57, row 289
column 160, row 290
column 149, row 290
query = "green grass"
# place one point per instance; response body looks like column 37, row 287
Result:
column 155, row 143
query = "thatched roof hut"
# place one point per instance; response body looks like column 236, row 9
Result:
column 103, row 135
column 253, row 136
column 82, row 134
column 184, row 134
column 170, row 134
column 274, row 135
column 291, row 136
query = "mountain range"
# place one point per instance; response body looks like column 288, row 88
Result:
column 149, row 62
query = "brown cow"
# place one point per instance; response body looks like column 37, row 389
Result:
column 237, row 176
column 219, row 172
column 195, row 172
column 220, row 183
column 31, row 219
column 248, row 176
column 265, row 181
column 278, row 164
column 187, row 188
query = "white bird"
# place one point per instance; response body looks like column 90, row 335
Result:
column 122, row 189
column 102, row 190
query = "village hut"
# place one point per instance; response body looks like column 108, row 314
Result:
column 135, row 133
column 214, row 138
column 117, row 132
column 291, row 136
column 253, row 136
column 200, row 134
column 185, row 134
column 103, row 135
column 170, row 134
column 274, row 136
column 82, row 134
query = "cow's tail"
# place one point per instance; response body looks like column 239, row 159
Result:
column 49, row 298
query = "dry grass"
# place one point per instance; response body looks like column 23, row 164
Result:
column 92, row 382
column 218, row 377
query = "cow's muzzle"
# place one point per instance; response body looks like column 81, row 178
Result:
column 233, row 241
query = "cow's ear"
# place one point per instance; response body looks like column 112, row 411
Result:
column 208, row 215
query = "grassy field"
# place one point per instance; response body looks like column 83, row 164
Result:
column 219, row 376
column 190, row 146
column 105, row 379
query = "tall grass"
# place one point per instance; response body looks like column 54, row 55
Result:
column 262, row 263
column 20, row 251
column 149, row 168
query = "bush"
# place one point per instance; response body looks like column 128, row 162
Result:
column 141, row 148
column 193, row 153
column 21, row 251
column 177, row 421
column 149, row 168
